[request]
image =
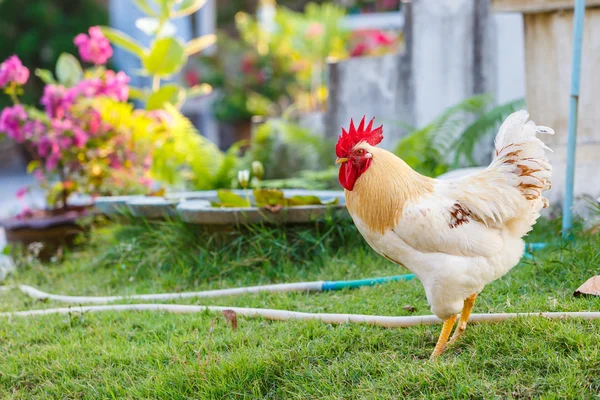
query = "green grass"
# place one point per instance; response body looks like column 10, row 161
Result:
column 158, row 355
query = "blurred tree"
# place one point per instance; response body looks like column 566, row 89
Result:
column 226, row 10
column 38, row 31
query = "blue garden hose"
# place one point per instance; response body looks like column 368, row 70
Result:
column 338, row 285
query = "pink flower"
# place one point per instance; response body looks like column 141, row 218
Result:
column 146, row 181
column 359, row 50
column 147, row 162
column 315, row 30
column 116, row 85
column 22, row 192
column 38, row 174
column 382, row 39
column 192, row 78
column 80, row 138
column 52, row 162
column 11, row 122
column 25, row 213
column 94, row 122
column 13, row 71
column 86, row 88
column 56, row 101
column 33, row 129
column 94, row 48
column 247, row 64
column 47, row 146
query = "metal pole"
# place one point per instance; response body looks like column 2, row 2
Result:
column 572, row 138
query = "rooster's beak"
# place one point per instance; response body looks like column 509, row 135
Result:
column 341, row 160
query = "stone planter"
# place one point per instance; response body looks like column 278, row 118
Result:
column 195, row 208
column 52, row 230
column 152, row 207
column 200, row 212
column 113, row 205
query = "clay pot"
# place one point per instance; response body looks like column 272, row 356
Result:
column 53, row 229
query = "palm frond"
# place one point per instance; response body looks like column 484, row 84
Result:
column 453, row 135
column 484, row 126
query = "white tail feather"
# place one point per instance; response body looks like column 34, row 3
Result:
column 519, row 151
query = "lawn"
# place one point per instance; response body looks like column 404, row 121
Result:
column 159, row 355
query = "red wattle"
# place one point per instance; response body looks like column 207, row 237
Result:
column 348, row 175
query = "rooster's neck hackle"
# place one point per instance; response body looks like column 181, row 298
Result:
column 379, row 195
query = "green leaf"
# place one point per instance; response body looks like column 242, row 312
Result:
column 485, row 126
column 137, row 93
column 33, row 165
column 197, row 45
column 198, row 90
column 171, row 94
column 304, row 201
column 188, row 7
column 268, row 197
column 68, row 70
column 145, row 7
column 35, row 113
column 166, row 57
column 230, row 199
column 124, row 41
column 165, row 8
column 46, row 76
column 7, row 250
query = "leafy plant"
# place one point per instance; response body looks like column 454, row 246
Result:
column 268, row 198
column 250, row 82
column 167, row 54
column 75, row 148
column 284, row 148
column 90, row 140
column 450, row 140
column 183, row 156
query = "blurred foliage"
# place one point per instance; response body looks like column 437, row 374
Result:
column 268, row 198
column 40, row 30
column 285, row 148
column 449, row 141
column 226, row 10
column 250, row 83
column 309, row 180
column 181, row 157
column 184, row 158
column 267, row 69
column 167, row 54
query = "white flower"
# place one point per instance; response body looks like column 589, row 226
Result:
column 243, row 178
column 258, row 170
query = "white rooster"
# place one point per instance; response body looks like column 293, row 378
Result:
column 455, row 235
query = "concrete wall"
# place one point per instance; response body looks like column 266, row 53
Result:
column 371, row 86
column 548, row 52
column 450, row 54
column 510, row 57
column 453, row 59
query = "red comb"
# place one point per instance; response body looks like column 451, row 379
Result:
column 354, row 136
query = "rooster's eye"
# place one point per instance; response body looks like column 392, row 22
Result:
column 360, row 152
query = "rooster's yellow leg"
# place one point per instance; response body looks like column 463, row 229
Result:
column 444, row 335
column 464, row 317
